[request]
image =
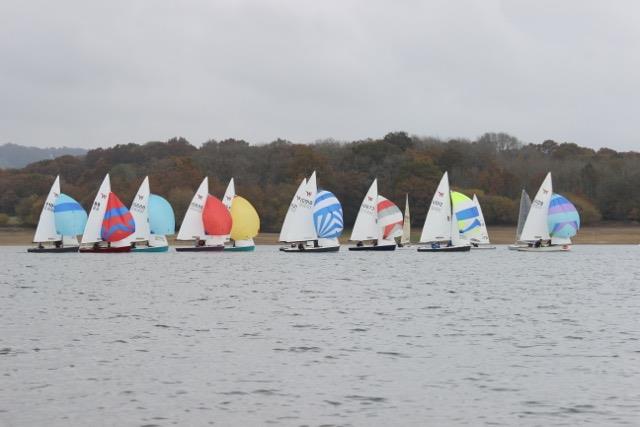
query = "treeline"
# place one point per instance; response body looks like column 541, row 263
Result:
column 603, row 184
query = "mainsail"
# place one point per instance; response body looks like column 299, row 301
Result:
column 484, row 234
column 192, row 226
column 366, row 225
column 291, row 212
column 437, row 226
column 92, row 231
column 525, row 206
column 140, row 212
column 406, row 225
column 536, row 227
column 46, row 230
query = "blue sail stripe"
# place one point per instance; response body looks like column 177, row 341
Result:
column 115, row 212
column 328, row 219
column 116, row 227
column 468, row 213
column 474, row 224
column 66, row 207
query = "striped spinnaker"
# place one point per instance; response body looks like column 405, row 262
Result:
column 563, row 219
column 327, row 215
column 466, row 214
column 390, row 218
column 117, row 222
column 70, row 216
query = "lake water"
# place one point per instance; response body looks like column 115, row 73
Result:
column 266, row 338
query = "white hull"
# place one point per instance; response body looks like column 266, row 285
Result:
column 517, row 246
column 482, row 246
column 562, row 248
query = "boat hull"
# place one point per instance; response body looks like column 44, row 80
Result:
column 151, row 249
column 106, row 250
column 482, row 247
column 559, row 248
column 373, row 248
column 311, row 249
column 515, row 247
column 218, row 248
column 461, row 248
column 67, row 249
column 239, row 248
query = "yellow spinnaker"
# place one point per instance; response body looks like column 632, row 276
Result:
column 246, row 222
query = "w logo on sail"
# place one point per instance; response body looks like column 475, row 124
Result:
column 370, row 198
column 440, row 193
column 308, row 193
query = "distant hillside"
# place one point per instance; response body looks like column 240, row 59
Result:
column 18, row 156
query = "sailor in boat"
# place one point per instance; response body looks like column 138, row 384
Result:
column 301, row 246
column 200, row 242
column 58, row 244
column 315, row 244
column 435, row 245
column 40, row 246
column 360, row 244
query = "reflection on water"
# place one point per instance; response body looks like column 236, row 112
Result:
column 488, row 337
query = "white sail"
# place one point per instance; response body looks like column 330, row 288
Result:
column 94, row 222
column 437, row 226
column 46, row 230
column 192, row 227
column 525, row 205
column 536, row 227
column 406, row 225
column 302, row 226
column 140, row 212
column 229, row 194
column 483, row 238
column 227, row 200
column 366, row 225
column 293, row 207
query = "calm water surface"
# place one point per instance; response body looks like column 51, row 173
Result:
column 265, row 338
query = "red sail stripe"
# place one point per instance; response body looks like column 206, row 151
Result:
column 117, row 227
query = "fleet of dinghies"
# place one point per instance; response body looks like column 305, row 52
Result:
column 313, row 223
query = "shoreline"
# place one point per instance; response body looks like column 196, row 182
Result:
column 610, row 234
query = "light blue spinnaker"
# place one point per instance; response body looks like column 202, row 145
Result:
column 327, row 215
column 161, row 217
column 563, row 220
column 70, row 217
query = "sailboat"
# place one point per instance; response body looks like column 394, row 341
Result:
column 246, row 222
column 378, row 221
column 551, row 222
column 525, row 206
column 154, row 220
column 440, row 229
column 109, row 222
column 314, row 220
column 470, row 220
column 405, row 239
column 207, row 221
column 61, row 220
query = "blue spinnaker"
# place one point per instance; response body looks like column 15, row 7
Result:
column 70, row 217
column 327, row 215
column 161, row 217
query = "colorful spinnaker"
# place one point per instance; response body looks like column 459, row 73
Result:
column 70, row 216
column 563, row 219
column 246, row 222
column 390, row 219
column 327, row 215
column 117, row 222
column 216, row 217
column 467, row 215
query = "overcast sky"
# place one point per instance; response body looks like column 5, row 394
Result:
column 87, row 73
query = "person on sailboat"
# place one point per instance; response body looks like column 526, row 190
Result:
column 58, row 243
column 359, row 244
column 538, row 243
